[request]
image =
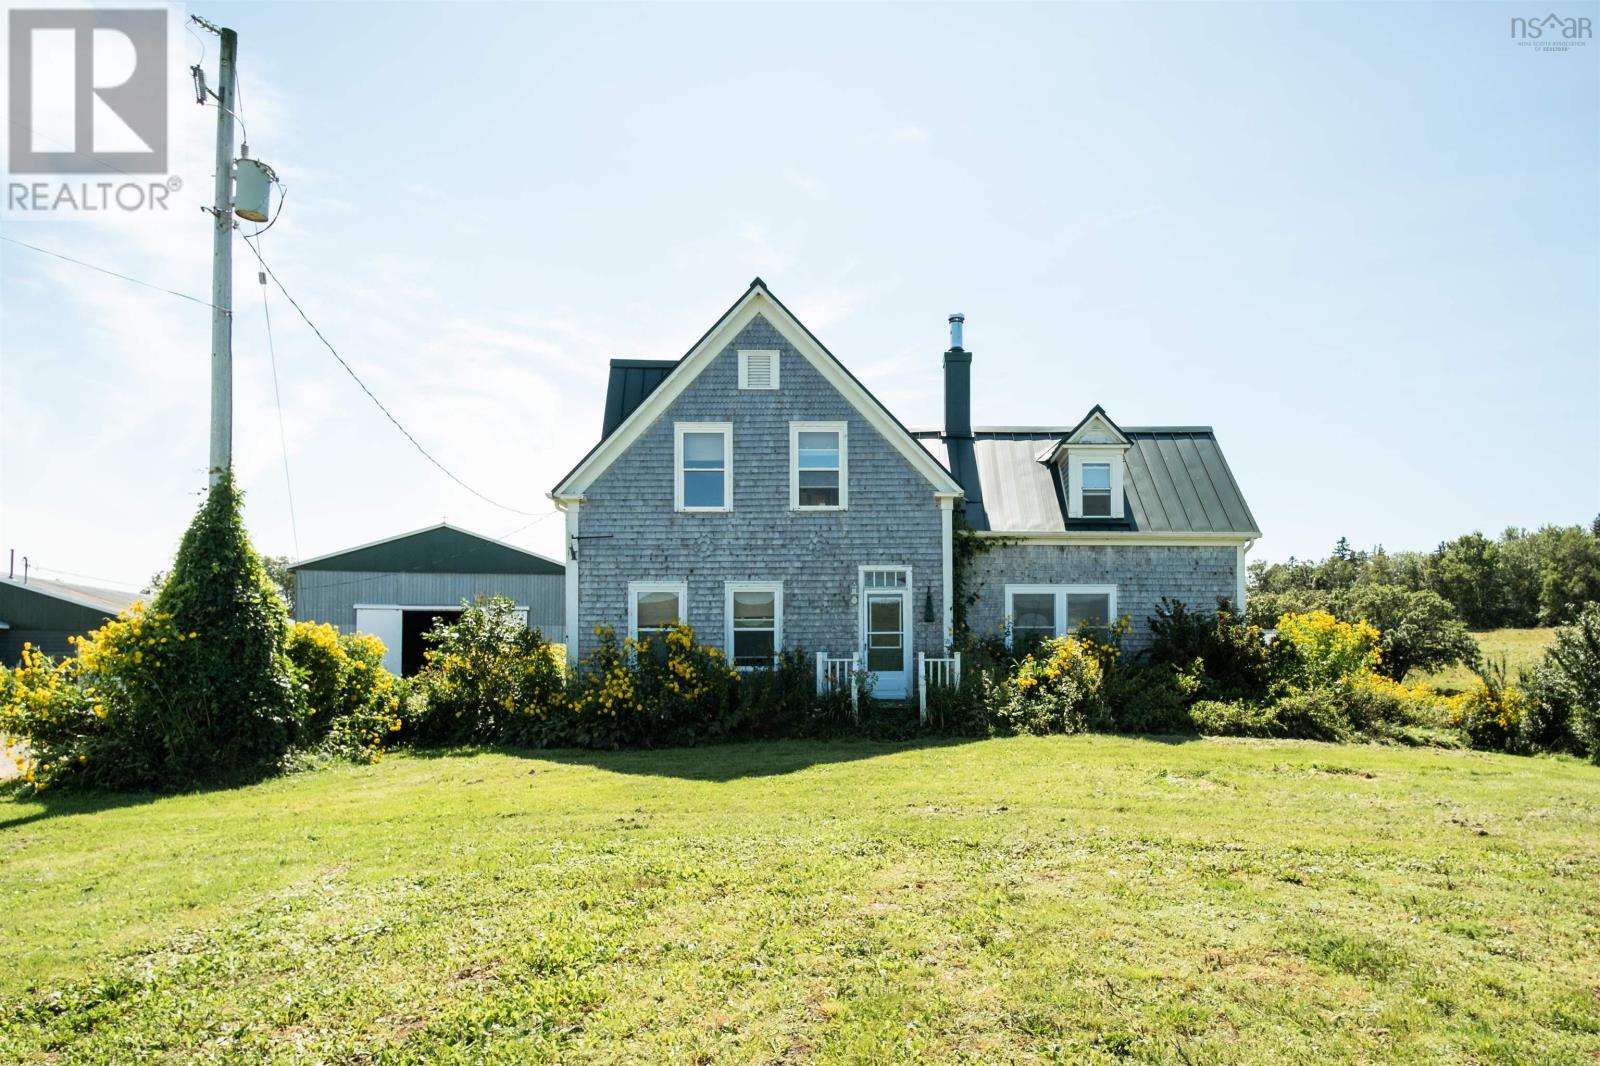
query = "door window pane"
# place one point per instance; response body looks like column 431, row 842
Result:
column 885, row 642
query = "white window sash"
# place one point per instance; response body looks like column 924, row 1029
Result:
column 843, row 431
column 1060, row 593
column 637, row 588
column 774, row 587
column 679, row 430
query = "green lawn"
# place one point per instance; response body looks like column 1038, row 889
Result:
column 1520, row 647
column 1086, row 899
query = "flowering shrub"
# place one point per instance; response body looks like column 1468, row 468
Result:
column 664, row 689
column 1053, row 689
column 1323, row 650
column 348, row 705
column 488, row 678
column 1491, row 714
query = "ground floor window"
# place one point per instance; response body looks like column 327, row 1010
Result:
column 755, row 622
column 1039, row 612
column 656, row 606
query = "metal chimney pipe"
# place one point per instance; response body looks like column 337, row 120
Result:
column 955, row 329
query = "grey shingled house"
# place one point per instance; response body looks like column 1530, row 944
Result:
column 757, row 491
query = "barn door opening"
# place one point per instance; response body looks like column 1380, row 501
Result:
column 414, row 642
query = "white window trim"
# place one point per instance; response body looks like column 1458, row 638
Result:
column 774, row 587
column 1060, row 592
column 841, row 428
column 1077, row 455
column 636, row 587
column 678, row 430
column 744, row 371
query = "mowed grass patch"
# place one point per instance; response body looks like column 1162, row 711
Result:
column 1521, row 649
column 1086, row 899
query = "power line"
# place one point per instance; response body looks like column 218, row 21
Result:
column 113, row 273
column 357, row 379
column 277, row 394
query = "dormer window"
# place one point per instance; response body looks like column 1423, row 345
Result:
column 1090, row 467
column 1096, row 490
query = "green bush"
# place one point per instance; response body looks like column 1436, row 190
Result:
column 488, row 679
column 1574, row 664
column 1056, row 689
column 1227, row 658
column 1547, row 720
column 659, row 690
column 1320, row 651
column 1491, row 715
column 1145, row 699
column 349, row 703
column 223, row 710
column 197, row 690
column 1308, row 715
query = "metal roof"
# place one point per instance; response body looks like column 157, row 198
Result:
column 1177, row 481
column 631, row 381
column 42, row 603
column 440, row 549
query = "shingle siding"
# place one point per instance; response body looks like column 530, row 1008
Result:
column 1197, row 576
column 630, row 532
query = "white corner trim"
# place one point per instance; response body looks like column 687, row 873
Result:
column 677, row 585
column 947, row 510
column 774, row 587
column 1241, row 575
column 678, row 430
column 569, row 586
column 757, row 301
column 768, row 359
column 841, row 428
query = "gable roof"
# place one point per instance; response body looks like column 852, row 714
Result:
column 440, row 549
column 631, row 381
column 756, row 301
column 1177, row 482
column 91, row 596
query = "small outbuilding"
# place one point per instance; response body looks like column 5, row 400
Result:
column 45, row 613
column 397, row 588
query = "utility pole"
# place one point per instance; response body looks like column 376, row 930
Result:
column 222, row 263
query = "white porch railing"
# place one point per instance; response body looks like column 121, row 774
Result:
column 832, row 673
column 935, row 672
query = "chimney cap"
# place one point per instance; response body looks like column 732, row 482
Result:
column 958, row 317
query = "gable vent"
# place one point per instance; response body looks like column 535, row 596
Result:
column 758, row 369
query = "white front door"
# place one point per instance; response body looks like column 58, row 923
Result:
column 885, row 624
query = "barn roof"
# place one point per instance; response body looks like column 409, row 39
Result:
column 440, row 549
column 40, row 603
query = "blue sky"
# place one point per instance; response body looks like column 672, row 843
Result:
column 1361, row 241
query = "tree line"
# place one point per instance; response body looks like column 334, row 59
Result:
column 1522, row 578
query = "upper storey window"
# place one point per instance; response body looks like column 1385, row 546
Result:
column 1096, row 490
column 818, row 466
column 703, row 460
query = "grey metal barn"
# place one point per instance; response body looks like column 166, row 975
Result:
column 395, row 588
